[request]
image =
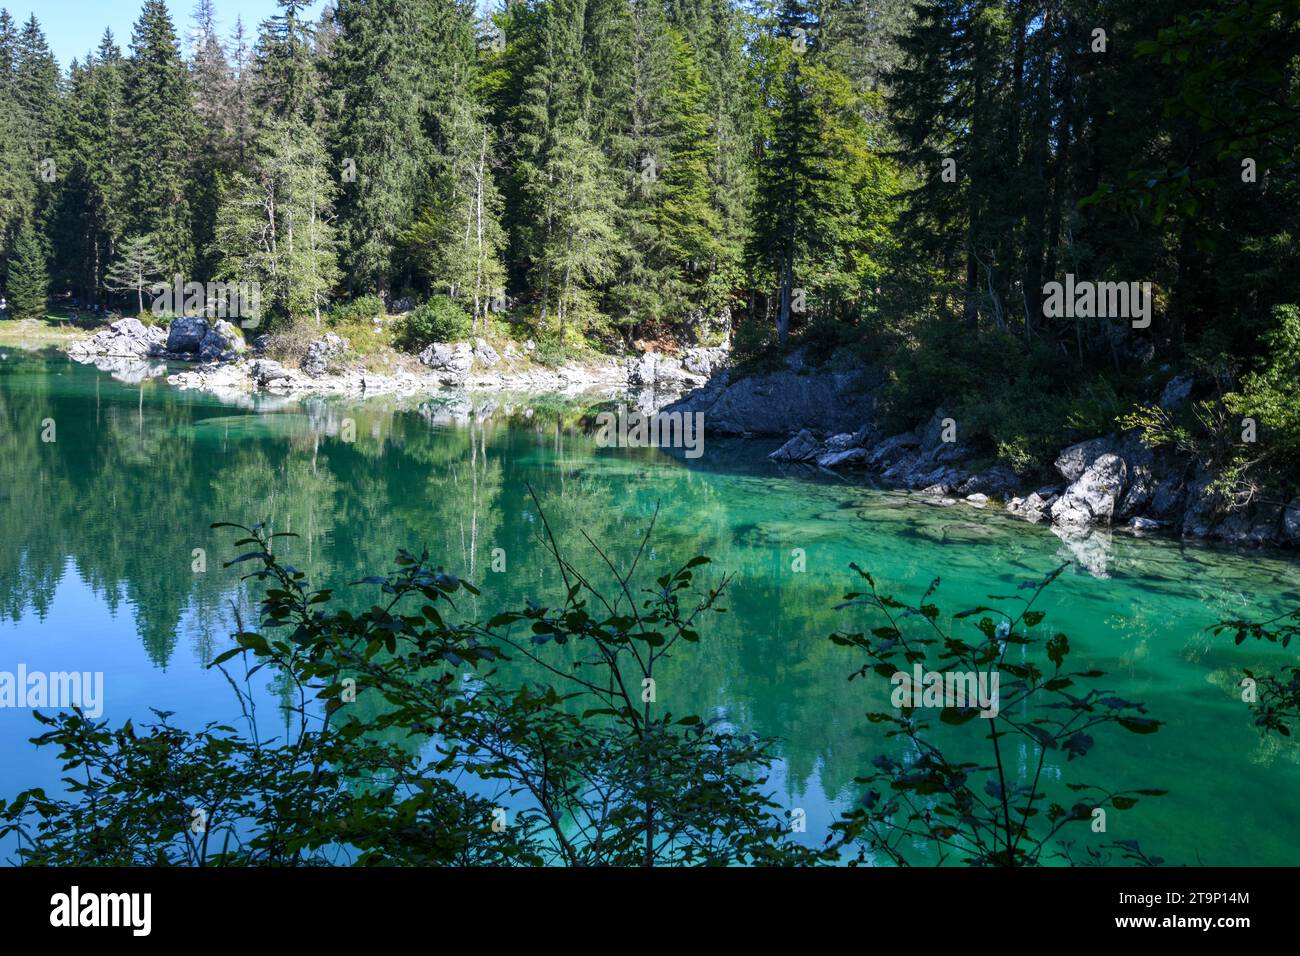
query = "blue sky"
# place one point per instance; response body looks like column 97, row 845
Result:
column 75, row 26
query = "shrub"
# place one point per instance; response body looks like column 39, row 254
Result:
column 952, row 795
column 649, row 787
column 365, row 309
column 438, row 320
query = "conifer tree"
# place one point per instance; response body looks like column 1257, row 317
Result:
column 28, row 283
column 17, row 178
column 275, row 226
column 161, row 132
column 135, row 269
column 213, row 84
column 380, row 144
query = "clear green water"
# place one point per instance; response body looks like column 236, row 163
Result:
column 97, row 531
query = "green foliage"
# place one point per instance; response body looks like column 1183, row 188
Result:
column 275, row 225
column 1271, row 396
column 1022, row 406
column 161, row 125
column 951, row 796
column 438, row 320
column 1276, row 704
column 361, row 309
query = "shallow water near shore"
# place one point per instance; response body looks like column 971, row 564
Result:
column 99, row 530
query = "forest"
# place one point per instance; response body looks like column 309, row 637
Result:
column 883, row 182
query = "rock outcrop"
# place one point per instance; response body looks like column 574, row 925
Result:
column 784, row 401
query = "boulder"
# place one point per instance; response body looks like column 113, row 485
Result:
column 998, row 482
column 451, row 362
column 843, row 458
column 1144, row 525
column 125, row 338
column 1166, row 497
column 485, row 354
column 268, row 374
column 1033, row 508
column 186, row 335
column 653, row 370
column 784, row 401
column 1202, row 507
column 1250, row 527
column 704, row 361
column 802, row 447
column 222, row 343
column 891, row 450
column 1092, row 497
column 320, row 352
column 1073, row 461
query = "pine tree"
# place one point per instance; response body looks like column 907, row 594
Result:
column 161, row 130
column 36, row 89
column 28, row 282
column 564, row 188
column 380, row 142
column 457, row 240
column 823, row 191
column 241, row 95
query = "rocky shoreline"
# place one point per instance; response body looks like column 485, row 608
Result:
column 829, row 417
column 1104, row 483
column 223, row 364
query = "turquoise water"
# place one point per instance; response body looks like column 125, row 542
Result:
column 100, row 526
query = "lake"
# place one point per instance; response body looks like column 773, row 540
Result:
column 105, row 532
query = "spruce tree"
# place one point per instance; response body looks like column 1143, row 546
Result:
column 275, row 225
column 88, row 217
column 161, row 130
column 17, row 177
column 213, row 84
column 36, row 89
column 287, row 87
column 381, row 146
column 28, row 281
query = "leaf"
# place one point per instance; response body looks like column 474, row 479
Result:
column 1140, row 725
